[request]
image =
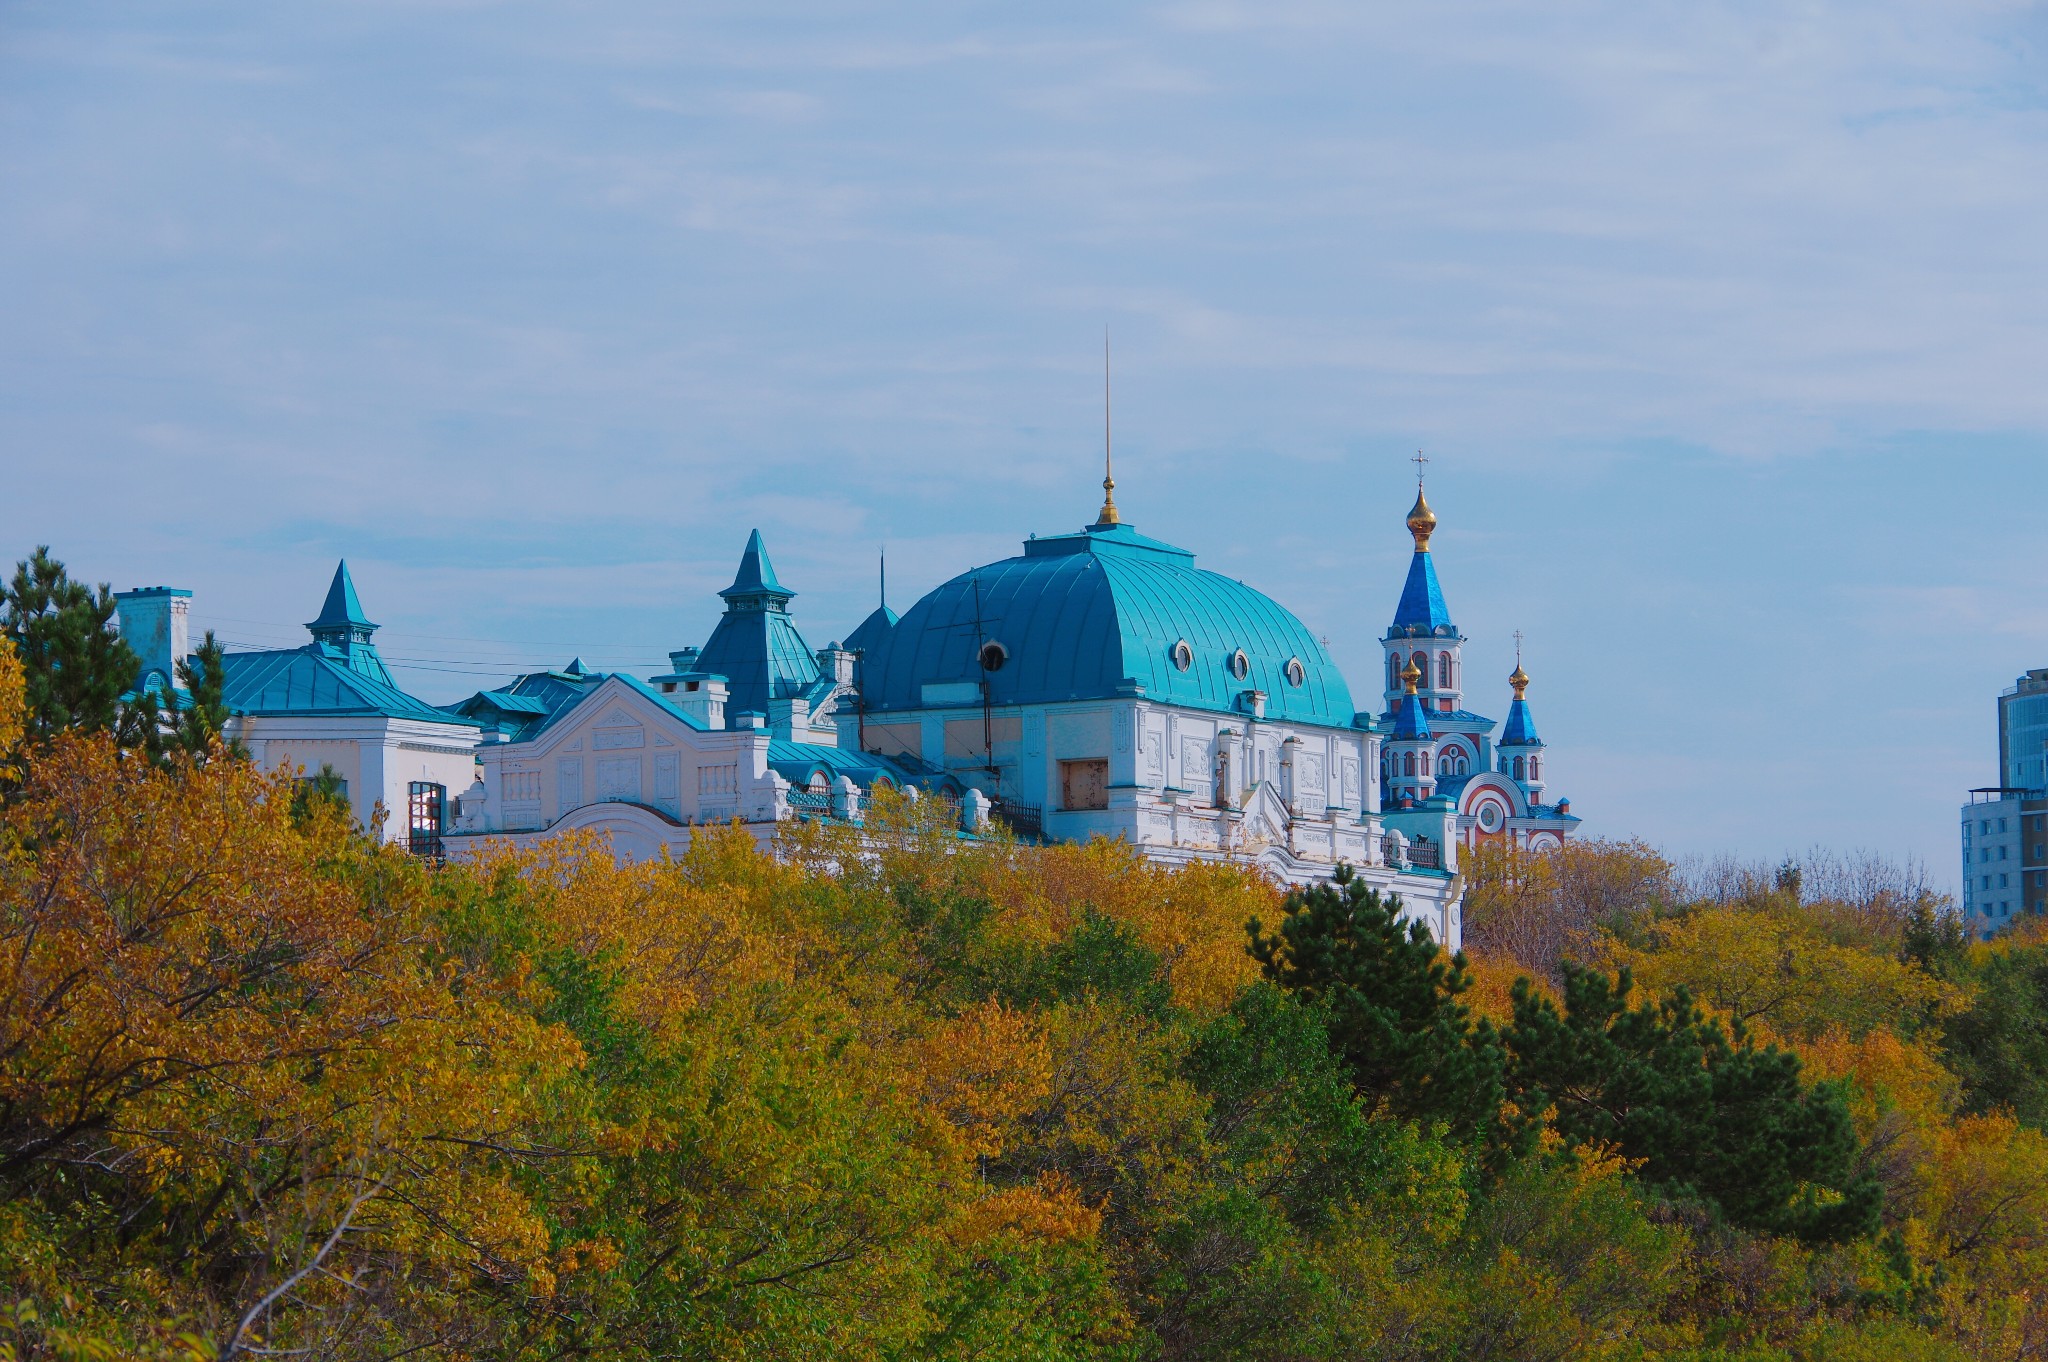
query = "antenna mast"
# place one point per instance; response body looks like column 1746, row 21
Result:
column 1109, row 516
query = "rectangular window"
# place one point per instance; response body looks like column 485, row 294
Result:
column 1084, row 784
column 425, row 813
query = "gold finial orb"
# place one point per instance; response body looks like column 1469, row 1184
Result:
column 1421, row 521
column 1108, row 515
column 1520, row 681
column 1411, row 676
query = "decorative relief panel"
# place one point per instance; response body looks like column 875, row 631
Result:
column 668, row 782
column 1349, row 776
column 568, row 784
column 1311, row 767
column 1155, row 754
column 612, row 738
column 618, row 778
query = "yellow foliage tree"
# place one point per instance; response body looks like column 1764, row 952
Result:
column 13, row 698
column 1778, row 969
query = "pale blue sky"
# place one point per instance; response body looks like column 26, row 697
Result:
column 1726, row 325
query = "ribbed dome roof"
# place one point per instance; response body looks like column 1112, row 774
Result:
column 1080, row 615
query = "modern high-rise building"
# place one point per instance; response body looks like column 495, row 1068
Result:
column 2005, row 826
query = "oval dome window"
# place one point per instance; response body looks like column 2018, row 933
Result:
column 1296, row 673
column 993, row 656
column 1240, row 665
column 1183, row 655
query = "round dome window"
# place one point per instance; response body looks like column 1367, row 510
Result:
column 1183, row 655
column 1240, row 665
column 993, row 656
column 1296, row 673
column 1489, row 817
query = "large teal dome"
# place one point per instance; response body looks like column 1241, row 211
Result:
column 1084, row 616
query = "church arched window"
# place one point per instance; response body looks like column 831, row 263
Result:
column 1422, row 762
column 1421, row 661
column 1408, row 764
column 1535, row 768
column 1443, row 671
column 1518, row 768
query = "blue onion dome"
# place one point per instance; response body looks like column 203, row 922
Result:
column 1411, row 718
column 1520, row 728
column 1102, row 613
column 1422, row 612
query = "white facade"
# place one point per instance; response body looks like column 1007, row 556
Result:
column 381, row 761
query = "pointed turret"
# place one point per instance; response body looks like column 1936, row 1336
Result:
column 756, row 577
column 756, row 647
column 341, row 615
column 344, row 628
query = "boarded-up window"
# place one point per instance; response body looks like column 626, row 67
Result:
column 1084, row 784
column 894, row 740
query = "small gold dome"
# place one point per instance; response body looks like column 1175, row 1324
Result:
column 1520, row 681
column 1421, row 521
column 1411, row 676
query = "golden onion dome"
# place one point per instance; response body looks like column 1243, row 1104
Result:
column 1411, row 676
column 1421, row 521
column 1519, row 680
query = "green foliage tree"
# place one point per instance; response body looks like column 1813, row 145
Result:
column 1713, row 1117
column 1391, row 1002
column 205, row 713
column 77, row 668
column 1998, row 1045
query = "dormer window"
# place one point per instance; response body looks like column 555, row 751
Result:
column 993, row 656
column 1183, row 656
column 1297, row 674
column 1240, row 665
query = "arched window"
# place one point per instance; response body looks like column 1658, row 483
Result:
column 1393, row 671
column 1421, row 661
column 1518, row 768
column 1443, row 671
column 1423, row 762
column 1408, row 764
column 1535, row 768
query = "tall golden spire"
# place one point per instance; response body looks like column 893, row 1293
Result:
column 1520, row 679
column 1421, row 520
column 1108, row 516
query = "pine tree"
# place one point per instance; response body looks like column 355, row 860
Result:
column 76, row 667
column 199, row 724
column 1393, row 1012
column 1714, row 1118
